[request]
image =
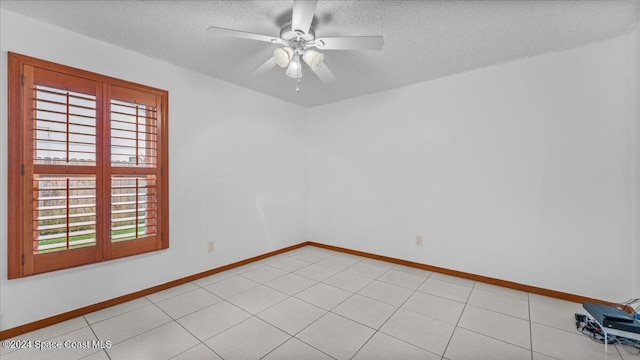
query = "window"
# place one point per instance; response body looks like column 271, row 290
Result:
column 87, row 167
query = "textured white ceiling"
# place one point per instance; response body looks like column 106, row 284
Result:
column 423, row 39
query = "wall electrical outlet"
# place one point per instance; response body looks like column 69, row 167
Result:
column 419, row 240
column 210, row 246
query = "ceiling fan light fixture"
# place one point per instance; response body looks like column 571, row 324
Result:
column 283, row 56
column 314, row 59
column 295, row 68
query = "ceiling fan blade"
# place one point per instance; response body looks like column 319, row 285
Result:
column 268, row 65
column 303, row 11
column 325, row 74
column 350, row 43
column 245, row 35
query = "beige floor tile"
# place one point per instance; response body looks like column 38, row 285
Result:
column 453, row 279
column 198, row 352
column 171, row 292
column 213, row 320
column 202, row 282
column 316, row 272
column 338, row 262
column 565, row 345
column 435, row 307
column 289, row 264
column 500, row 303
column 291, row 284
column 324, row 296
column 364, row 310
column 257, row 299
column 538, row 356
column 367, row 270
column 187, row 303
column 101, row 355
column 296, row 350
column 507, row 328
column 387, row 293
column 251, row 339
column 116, row 310
column 560, row 315
column 163, row 342
column 419, row 330
column 628, row 352
column 385, row 347
column 468, row 345
column 401, row 278
column 122, row 327
column 502, row 290
column 348, row 281
column 334, row 335
column 446, row 289
column 81, row 335
column 413, row 270
column 263, row 274
column 231, row 286
column 312, row 255
column 292, row 315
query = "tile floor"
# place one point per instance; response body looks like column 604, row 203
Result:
column 312, row 303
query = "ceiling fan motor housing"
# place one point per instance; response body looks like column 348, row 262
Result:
column 297, row 39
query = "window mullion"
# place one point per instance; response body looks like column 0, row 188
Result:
column 105, row 173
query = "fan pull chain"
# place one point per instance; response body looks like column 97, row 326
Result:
column 298, row 85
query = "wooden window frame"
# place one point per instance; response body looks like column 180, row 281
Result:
column 21, row 256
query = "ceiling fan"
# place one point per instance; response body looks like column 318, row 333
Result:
column 297, row 38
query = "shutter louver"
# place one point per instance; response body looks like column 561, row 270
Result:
column 133, row 207
column 133, row 134
column 64, row 212
column 65, row 127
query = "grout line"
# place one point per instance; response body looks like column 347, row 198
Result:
column 126, row 312
column 400, row 307
column 306, row 343
column 176, row 295
column 144, row 332
column 96, row 335
column 458, row 322
column 364, row 344
column 440, row 296
column 194, row 336
column 494, row 338
column 182, row 352
column 279, row 345
column 499, row 312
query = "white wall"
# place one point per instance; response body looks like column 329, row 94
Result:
column 635, row 54
column 521, row 171
column 237, row 175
